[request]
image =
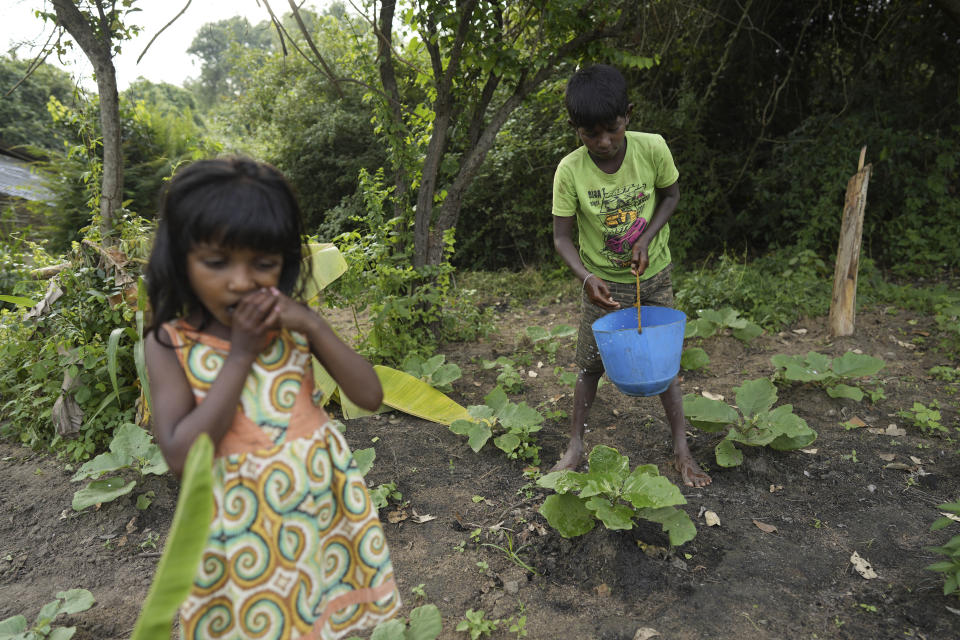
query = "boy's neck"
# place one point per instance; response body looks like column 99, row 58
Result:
column 611, row 165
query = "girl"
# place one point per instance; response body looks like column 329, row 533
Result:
column 295, row 549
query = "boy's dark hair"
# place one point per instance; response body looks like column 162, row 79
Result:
column 235, row 202
column 596, row 95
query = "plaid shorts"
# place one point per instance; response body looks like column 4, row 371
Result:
column 654, row 292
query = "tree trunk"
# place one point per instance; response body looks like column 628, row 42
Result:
column 388, row 79
column 97, row 45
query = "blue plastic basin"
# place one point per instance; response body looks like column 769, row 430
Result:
column 641, row 364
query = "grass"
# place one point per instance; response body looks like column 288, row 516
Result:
column 774, row 291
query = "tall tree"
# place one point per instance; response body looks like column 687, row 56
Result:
column 449, row 75
column 218, row 45
column 98, row 27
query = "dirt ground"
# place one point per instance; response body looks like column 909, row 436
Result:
column 733, row 580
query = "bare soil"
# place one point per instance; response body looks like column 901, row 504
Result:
column 732, row 580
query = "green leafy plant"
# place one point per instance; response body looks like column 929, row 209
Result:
column 516, row 424
column 433, row 371
column 518, row 624
column 79, row 363
column 947, row 317
column 568, row 378
column 950, row 568
column 548, row 340
column 801, row 282
column 946, row 374
column 477, row 625
column 711, row 321
column 67, row 602
column 614, row 495
column 760, row 425
column 694, row 358
column 833, row 374
column 512, row 554
column 364, row 459
column 382, row 494
column 131, row 448
column 424, row 623
column 510, row 378
column 927, row 419
column 410, row 309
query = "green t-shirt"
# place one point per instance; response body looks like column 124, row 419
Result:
column 613, row 209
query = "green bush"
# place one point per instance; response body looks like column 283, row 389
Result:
column 411, row 310
column 71, row 338
column 771, row 291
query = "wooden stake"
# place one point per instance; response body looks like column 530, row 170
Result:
column 843, row 304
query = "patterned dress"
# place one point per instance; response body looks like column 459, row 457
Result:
column 295, row 549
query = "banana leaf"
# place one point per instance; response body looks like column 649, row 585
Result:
column 327, row 265
column 185, row 544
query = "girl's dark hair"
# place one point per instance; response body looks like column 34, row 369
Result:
column 596, row 96
column 234, row 202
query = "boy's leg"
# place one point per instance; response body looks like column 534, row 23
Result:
column 690, row 472
column 590, row 367
column 658, row 291
column 583, row 395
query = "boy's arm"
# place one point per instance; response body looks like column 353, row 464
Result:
column 667, row 199
column 595, row 288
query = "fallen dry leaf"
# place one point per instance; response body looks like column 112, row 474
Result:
column 399, row 515
column 916, row 460
column 711, row 518
column 603, row 590
column 887, row 457
column 898, row 466
column 532, row 373
column 766, row 528
column 132, row 525
column 876, row 430
column 800, row 332
column 776, row 487
column 905, row 345
column 894, row 430
column 952, row 516
column 857, row 422
column 420, row 519
column 862, row 566
column 645, row 633
column 809, row 451
column 712, row 396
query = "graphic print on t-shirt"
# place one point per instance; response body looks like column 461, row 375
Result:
column 619, row 217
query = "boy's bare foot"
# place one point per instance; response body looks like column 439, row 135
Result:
column 690, row 472
column 572, row 458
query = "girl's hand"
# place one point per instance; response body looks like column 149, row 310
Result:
column 293, row 315
column 252, row 319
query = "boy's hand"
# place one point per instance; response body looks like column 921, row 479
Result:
column 599, row 293
column 252, row 319
column 640, row 260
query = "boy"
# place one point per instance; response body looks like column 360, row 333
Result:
column 621, row 188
